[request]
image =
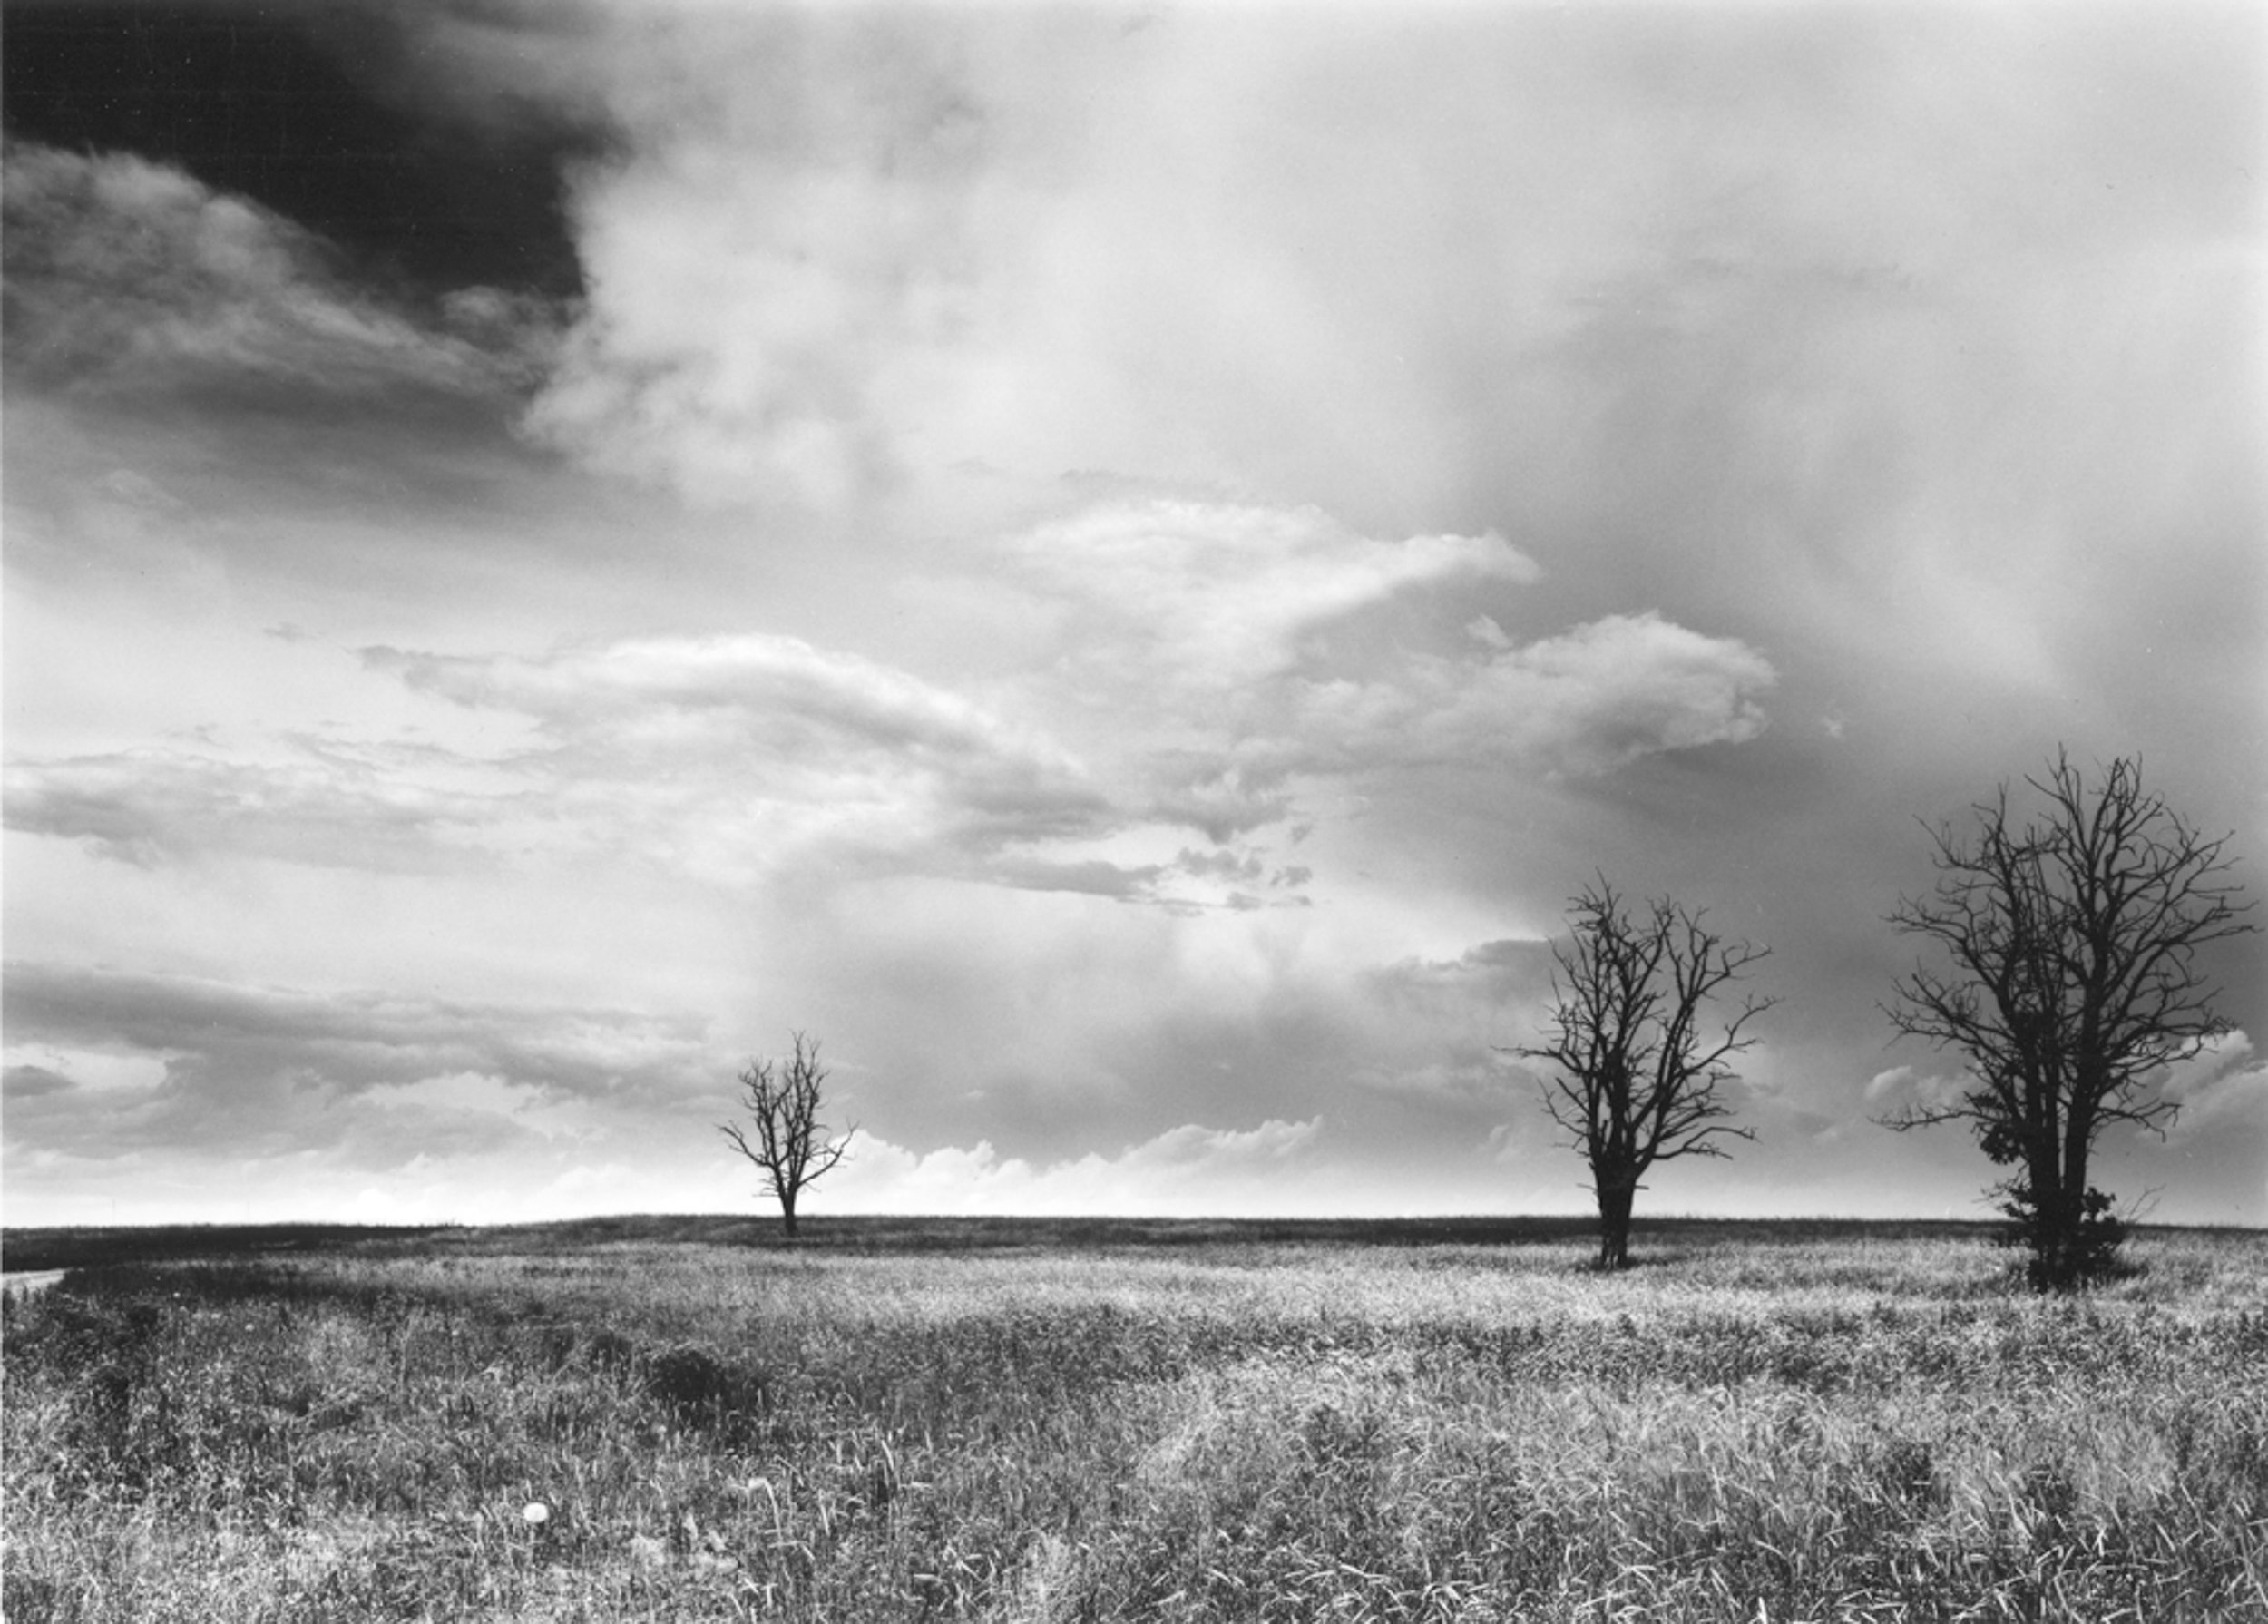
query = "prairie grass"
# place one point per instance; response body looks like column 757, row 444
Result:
column 1251, row 1422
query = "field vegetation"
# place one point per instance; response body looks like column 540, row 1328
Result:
column 1040, row 1422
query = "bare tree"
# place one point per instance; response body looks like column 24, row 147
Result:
column 1636, row 1072
column 2073, row 982
column 793, row 1147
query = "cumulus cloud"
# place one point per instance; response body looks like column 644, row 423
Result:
column 1901, row 1089
column 1589, row 700
column 377, row 1078
column 1187, row 1170
column 129, row 276
column 1211, row 597
column 1235, row 648
column 729, row 755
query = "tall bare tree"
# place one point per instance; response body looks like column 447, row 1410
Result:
column 2071, row 983
column 792, row 1146
column 1635, row 1068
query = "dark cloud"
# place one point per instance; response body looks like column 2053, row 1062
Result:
column 29, row 1082
column 1196, row 789
column 1511, row 970
column 377, row 1079
column 1243, row 867
column 336, row 115
column 135, row 279
column 1095, row 877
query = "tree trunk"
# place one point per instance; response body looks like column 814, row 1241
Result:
column 2055, row 1247
column 1617, row 1193
column 2044, row 1170
column 2054, row 1211
column 2067, row 1257
column 788, row 1212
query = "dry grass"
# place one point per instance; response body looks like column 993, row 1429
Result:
column 1753, row 1426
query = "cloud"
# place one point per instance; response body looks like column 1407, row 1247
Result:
column 326, row 807
column 1492, row 972
column 130, row 277
column 1092, row 878
column 30, row 1082
column 377, row 1079
column 726, row 758
column 836, row 246
column 731, row 757
column 1947, row 432
column 1211, row 597
column 1587, row 701
column 1467, row 1084
column 1905, row 1087
column 1191, row 1169
column 1200, row 683
column 782, row 242
column 1235, row 648
column 690, row 697
column 840, row 252
column 2222, row 1087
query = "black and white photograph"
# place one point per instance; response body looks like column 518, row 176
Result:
column 1193, row 809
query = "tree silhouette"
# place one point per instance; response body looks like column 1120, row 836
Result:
column 1637, row 1072
column 792, row 1147
column 2072, row 982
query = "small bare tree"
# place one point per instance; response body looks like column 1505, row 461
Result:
column 2073, row 983
column 792, row 1147
column 1636, row 1071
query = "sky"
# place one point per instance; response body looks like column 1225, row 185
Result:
column 1117, row 565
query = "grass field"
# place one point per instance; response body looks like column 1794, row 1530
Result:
column 1045, row 1421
